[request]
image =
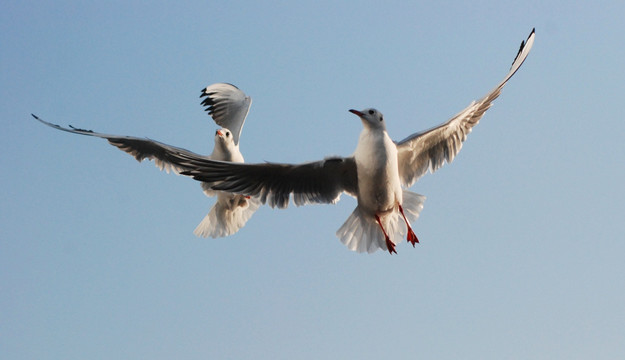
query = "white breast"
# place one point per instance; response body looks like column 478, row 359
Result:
column 378, row 177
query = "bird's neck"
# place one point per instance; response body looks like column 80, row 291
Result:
column 374, row 144
column 224, row 153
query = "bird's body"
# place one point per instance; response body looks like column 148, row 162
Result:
column 376, row 164
column 231, row 211
column 377, row 174
column 379, row 188
column 228, row 106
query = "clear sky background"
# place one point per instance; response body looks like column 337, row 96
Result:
column 522, row 247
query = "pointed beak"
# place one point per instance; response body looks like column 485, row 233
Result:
column 218, row 132
column 356, row 112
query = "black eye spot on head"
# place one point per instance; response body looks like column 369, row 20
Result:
column 371, row 112
column 381, row 118
column 227, row 133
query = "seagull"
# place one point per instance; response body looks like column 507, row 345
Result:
column 228, row 106
column 376, row 174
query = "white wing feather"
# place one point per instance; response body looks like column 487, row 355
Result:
column 228, row 106
column 429, row 150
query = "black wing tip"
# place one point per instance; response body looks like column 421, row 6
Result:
column 208, row 101
column 209, row 105
column 73, row 128
column 528, row 37
column 523, row 44
column 520, row 51
column 47, row 123
column 81, row 130
column 532, row 33
column 205, row 93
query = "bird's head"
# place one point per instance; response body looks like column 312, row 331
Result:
column 371, row 118
column 224, row 140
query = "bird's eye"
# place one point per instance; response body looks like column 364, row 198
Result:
column 381, row 118
column 227, row 133
column 371, row 112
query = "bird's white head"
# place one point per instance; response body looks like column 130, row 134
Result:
column 224, row 140
column 371, row 118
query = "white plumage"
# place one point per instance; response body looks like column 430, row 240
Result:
column 376, row 174
column 228, row 106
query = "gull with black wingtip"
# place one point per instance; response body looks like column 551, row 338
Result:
column 228, row 106
column 377, row 174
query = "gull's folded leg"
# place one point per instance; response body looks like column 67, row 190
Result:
column 412, row 238
column 389, row 244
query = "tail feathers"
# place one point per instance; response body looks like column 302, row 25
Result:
column 362, row 233
column 227, row 217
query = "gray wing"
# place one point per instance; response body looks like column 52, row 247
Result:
column 315, row 182
column 165, row 157
column 228, row 106
column 429, row 150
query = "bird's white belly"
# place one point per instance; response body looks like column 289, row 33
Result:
column 376, row 194
column 379, row 188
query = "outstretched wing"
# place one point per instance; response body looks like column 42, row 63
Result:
column 165, row 156
column 228, row 106
column 429, row 150
column 315, row 182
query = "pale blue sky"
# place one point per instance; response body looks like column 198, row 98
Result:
column 521, row 253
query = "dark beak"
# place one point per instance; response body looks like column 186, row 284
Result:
column 356, row 112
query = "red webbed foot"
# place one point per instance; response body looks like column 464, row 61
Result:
column 412, row 238
column 390, row 246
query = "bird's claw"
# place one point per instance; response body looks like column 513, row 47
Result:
column 412, row 238
column 390, row 246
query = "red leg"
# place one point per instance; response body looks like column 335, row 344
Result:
column 412, row 238
column 389, row 244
